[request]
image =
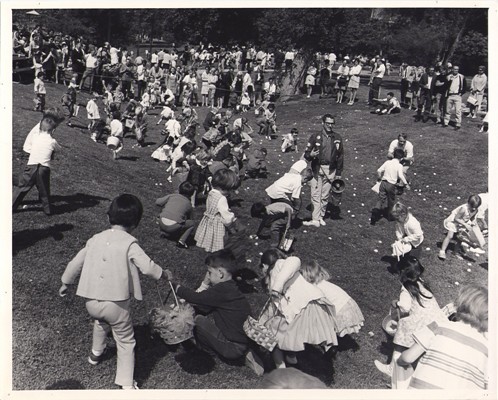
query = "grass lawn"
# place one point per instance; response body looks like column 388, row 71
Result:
column 52, row 335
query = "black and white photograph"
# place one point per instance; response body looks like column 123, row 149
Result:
column 248, row 196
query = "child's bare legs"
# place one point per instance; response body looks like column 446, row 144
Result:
column 444, row 245
column 353, row 97
column 278, row 358
column 309, row 89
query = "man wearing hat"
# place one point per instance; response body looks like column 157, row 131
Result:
column 326, row 153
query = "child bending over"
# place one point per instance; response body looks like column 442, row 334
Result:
column 277, row 216
column 175, row 219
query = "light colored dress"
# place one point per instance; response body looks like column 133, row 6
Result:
column 303, row 313
column 463, row 213
column 418, row 315
column 354, row 77
column 211, row 230
column 205, row 83
column 348, row 315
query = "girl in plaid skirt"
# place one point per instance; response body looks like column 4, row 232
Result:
column 211, row 231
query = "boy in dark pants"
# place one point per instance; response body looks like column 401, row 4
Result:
column 220, row 298
column 388, row 175
column 41, row 146
column 277, row 216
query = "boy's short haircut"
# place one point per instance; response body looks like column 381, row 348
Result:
column 258, row 210
column 222, row 259
column 399, row 154
column 328, row 116
column 48, row 123
column 474, row 200
column 307, row 174
column 186, row 189
column 116, row 115
column 125, row 210
column 39, row 74
column 403, row 135
column 390, row 94
column 294, row 130
column 56, row 113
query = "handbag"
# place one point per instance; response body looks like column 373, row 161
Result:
column 472, row 100
column 259, row 332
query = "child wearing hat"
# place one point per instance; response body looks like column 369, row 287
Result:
column 287, row 189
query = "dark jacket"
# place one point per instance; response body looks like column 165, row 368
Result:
column 336, row 156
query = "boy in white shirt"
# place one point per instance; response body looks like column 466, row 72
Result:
column 388, row 175
column 93, row 114
column 41, row 147
column 287, row 189
column 289, row 141
column 40, row 92
column 391, row 105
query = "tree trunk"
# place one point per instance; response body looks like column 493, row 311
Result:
column 290, row 83
column 456, row 40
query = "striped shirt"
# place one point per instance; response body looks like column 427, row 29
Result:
column 456, row 357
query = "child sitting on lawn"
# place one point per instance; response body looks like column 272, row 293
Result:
column 288, row 188
column 219, row 298
column 349, row 317
column 289, row 141
column 175, row 219
column 277, row 216
column 391, row 106
column 109, row 266
column 463, row 218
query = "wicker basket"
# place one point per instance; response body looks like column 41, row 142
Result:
column 390, row 322
column 174, row 324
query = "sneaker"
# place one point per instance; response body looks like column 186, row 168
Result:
column 322, row 222
column 95, row 360
column 386, row 369
column 132, row 387
column 457, row 128
column 442, row 255
column 255, row 363
column 477, row 250
column 313, row 222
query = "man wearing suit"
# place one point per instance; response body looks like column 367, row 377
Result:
column 226, row 81
column 427, row 83
column 457, row 86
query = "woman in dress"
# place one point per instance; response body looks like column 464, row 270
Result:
column 205, row 86
column 354, row 80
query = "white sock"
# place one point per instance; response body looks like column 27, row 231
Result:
column 97, row 353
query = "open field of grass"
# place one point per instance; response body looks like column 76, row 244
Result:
column 52, row 335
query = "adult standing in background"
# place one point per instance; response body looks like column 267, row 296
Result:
column 354, row 80
column 326, row 153
column 457, row 86
column 427, row 83
column 479, row 82
column 289, row 60
column 78, row 61
column 440, row 93
column 378, row 72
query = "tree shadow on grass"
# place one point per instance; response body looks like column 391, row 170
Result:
column 28, row 237
column 66, row 384
column 74, row 202
column 149, row 350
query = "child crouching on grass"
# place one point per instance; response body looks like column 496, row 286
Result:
column 220, row 298
column 109, row 266
column 391, row 105
column 349, row 317
column 289, row 141
column 463, row 218
column 277, row 216
column 176, row 216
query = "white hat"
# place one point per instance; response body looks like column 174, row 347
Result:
column 299, row 166
column 346, row 57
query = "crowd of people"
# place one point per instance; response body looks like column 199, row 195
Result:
column 303, row 306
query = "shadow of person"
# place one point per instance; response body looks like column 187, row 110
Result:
column 28, row 237
column 393, row 264
column 74, row 202
column 196, row 362
column 148, row 351
column 315, row 362
column 66, row 384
